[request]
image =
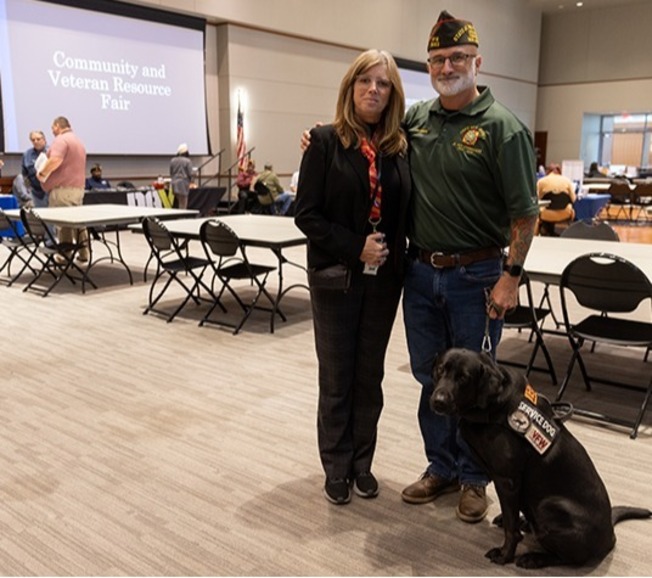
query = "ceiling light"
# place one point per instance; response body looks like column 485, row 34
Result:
column 579, row 4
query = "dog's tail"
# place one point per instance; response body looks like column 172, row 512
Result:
column 620, row 513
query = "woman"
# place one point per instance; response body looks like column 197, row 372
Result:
column 352, row 200
column 181, row 176
column 560, row 208
column 244, row 182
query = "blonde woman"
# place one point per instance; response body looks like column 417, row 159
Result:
column 352, row 201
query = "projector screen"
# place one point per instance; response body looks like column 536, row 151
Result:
column 128, row 86
column 416, row 81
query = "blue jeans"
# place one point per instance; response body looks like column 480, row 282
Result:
column 444, row 308
column 283, row 202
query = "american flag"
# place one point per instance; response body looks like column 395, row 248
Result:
column 240, row 147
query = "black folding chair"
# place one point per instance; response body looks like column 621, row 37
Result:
column 57, row 259
column 526, row 316
column 16, row 243
column 621, row 197
column 642, row 200
column 232, row 264
column 598, row 230
column 602, row 282
column 176, row 266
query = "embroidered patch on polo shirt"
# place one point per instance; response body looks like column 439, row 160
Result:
column 469, row 138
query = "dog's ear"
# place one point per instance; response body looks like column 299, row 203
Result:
column 491, row 381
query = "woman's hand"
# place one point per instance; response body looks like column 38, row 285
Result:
column 375, row 250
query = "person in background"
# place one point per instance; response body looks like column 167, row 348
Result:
column 294, row 182
column 281, row 199
column 95, row 181
column 63, row 178
column 352, row 199
column 39, row 145
column 595, row 172
column 245, row 181
column 474, row 194
column 181, row 176
column 555, row 183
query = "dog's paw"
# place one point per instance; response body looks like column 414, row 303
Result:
column 534, row 560
column 498, row 556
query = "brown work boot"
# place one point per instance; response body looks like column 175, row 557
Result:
column 427, row 488
column 472, row 506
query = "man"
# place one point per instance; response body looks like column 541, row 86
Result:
column 39, row 145
column 95, row 181
column 62, row 177
column 281, row 199
column 474, row 194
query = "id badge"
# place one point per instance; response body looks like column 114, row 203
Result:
column 370, row 269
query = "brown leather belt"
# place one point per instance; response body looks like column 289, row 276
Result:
column 442, row 260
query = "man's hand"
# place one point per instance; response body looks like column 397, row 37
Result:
column 305, row 137
column 305, row 140
column 504, row 296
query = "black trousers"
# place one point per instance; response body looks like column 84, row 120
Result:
column 352, row 330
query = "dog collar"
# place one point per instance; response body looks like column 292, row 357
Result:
column 533, row 418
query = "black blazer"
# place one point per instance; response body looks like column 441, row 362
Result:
column 333, row 202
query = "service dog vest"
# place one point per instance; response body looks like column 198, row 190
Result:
column 534, row 419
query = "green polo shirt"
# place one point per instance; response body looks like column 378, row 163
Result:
column 473, row 171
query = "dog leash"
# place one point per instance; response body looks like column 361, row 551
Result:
column 486, row 339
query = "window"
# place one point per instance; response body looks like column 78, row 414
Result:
column 622, row 140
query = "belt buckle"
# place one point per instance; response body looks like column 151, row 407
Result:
column 433, row 256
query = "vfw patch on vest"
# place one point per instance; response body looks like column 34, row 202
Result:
column 529, row 419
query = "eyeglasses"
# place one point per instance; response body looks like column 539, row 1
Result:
column 366, row 81
column 457, row 60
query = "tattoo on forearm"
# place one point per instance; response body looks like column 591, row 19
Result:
column 522, row 234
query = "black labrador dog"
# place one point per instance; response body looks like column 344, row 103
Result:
column 536, row 464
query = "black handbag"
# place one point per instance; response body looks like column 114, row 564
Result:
column 336, row 277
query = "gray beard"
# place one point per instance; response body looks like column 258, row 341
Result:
column 453, row 87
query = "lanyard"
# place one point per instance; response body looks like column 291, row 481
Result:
column 376, row 189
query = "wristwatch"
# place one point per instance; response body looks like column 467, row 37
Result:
column 514, row 270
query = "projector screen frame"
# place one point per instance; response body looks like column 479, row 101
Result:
column 134, row 12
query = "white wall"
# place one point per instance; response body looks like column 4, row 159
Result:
column 288, row 83
column 561, row 109
column 288, row 57
column 598, row 62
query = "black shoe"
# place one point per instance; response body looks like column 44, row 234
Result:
column 337, row 491
column 366, row 485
